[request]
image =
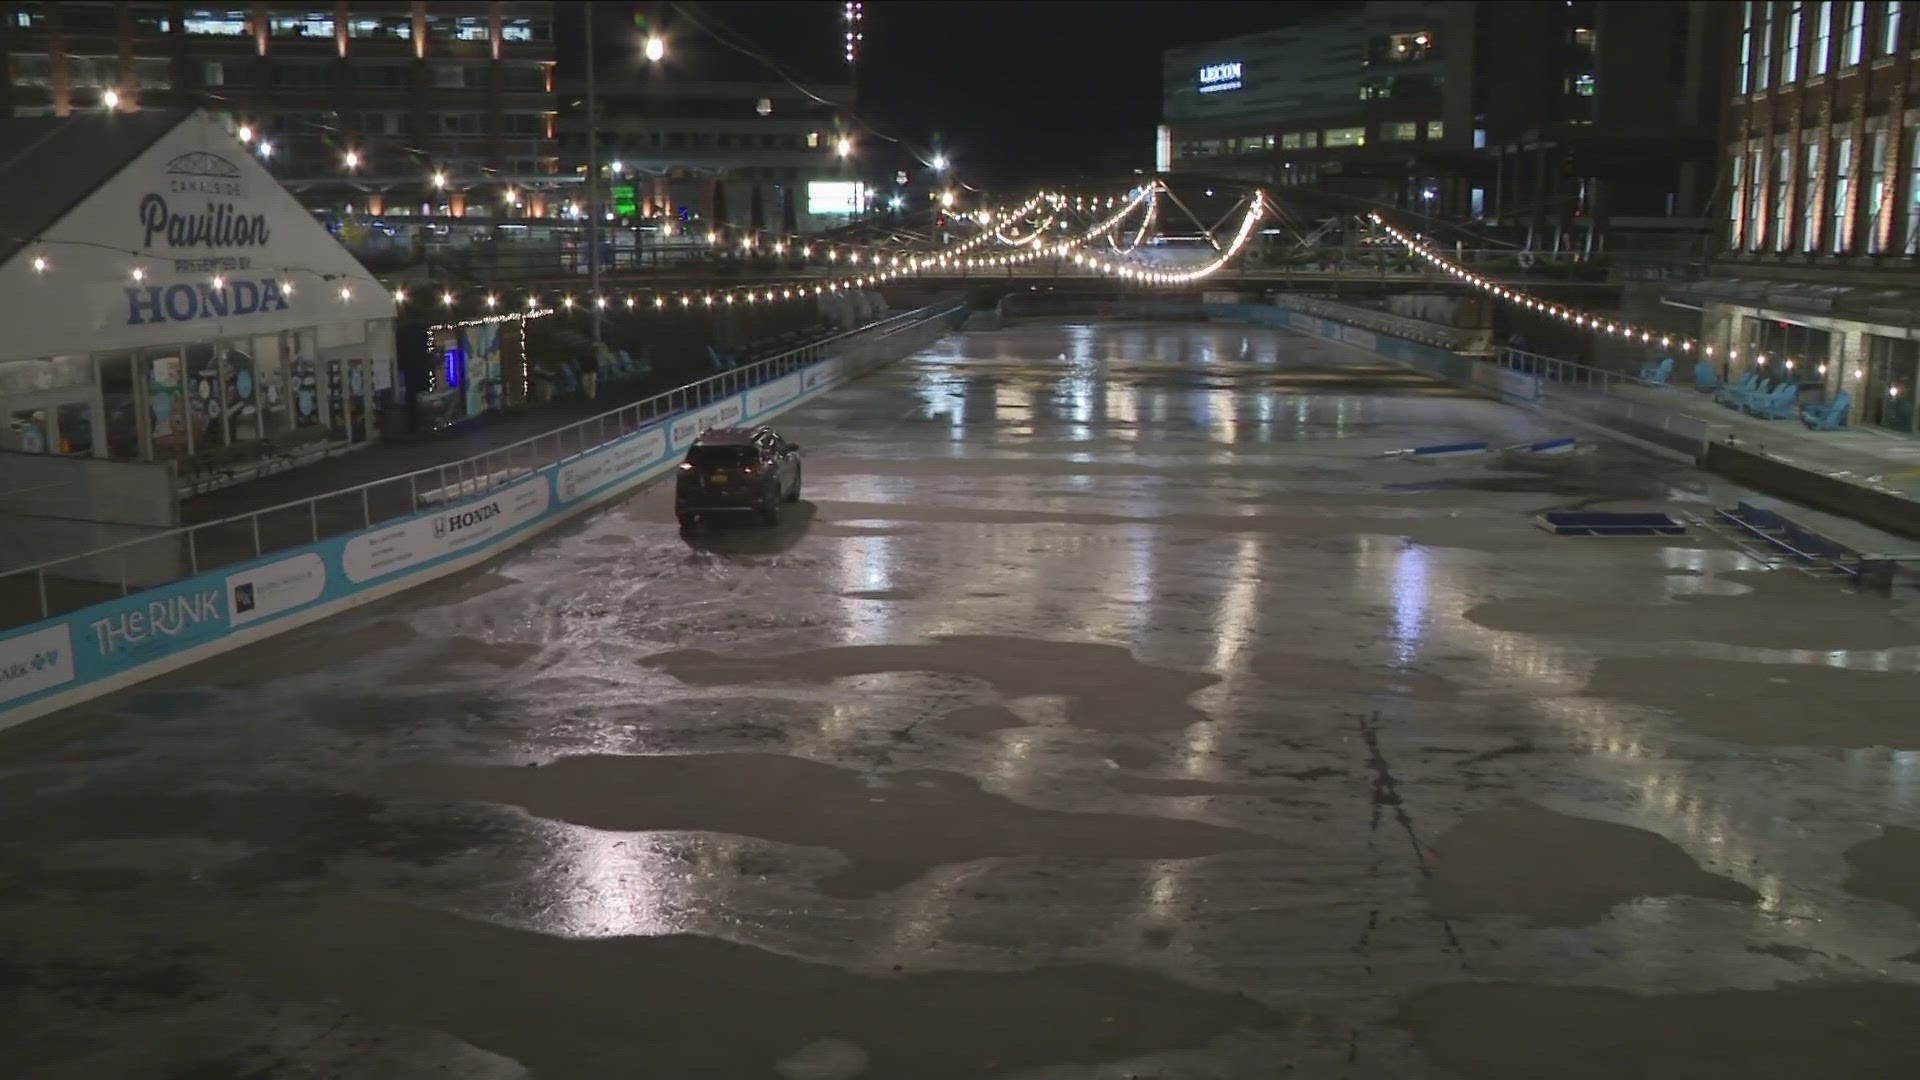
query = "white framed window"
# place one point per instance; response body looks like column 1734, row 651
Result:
column 1763, row 61
column 1399, row 131
column 1856, row 43
column 1746, row 47
column 1736, row 205
column 1347, row 136
column 1839, row 235
column 1809, row 201
column 1782, row 175
column 1889, row 42
column 1756, row 191
column 1911, row 239
column 1876, row 189
column 1790, row 59
column 1436, row 130
column 1822, row 36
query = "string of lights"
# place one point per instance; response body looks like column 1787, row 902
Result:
column 1591, row 321
column 1256, row 209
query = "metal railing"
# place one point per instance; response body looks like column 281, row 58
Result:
column 1453, row 339
column 90, row 577
column 1597, row 394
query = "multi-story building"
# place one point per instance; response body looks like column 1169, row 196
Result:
column 711, row 135
column 1818, row 255
column 442, row 108
column 1539, row 114
column 763, row 156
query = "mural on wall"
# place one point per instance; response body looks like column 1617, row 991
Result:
column 306, row 392
column 483, row 367
column 163, row 397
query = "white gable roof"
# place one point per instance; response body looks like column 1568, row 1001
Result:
column 217, row 243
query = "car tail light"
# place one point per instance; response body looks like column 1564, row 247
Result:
column 686, row 466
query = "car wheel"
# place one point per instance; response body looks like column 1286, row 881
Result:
column 689, row 522
column 770, row 510
column 794, row 495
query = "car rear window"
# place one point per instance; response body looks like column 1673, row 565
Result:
column 721, row 457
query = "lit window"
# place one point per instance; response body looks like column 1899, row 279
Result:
column 1809, row 201
column 1351, row 136
column 1479, row 138
column 1746, row 46
column 1756, row 227
column 217, row 23
column 1782, row 173
column 1435, row 129
column 1856, row 32
column 1841, row 234
column 1876, row 189
column 311, row 25
column 1890, row 29
column 1912, row 244
column 813, row 140
column 1822, row 37
column 1763, row 62
column 1735, row 204
column 1584, row 86
column 471, row 28
column 1290, row 141
column 1399, row 131
column 1790, row 60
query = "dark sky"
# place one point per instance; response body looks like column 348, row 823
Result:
column 1013, row 89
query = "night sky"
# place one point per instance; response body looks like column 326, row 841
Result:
column 1012, row 89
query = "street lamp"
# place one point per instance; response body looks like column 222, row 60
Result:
column 439, row 179
column 353, row 159
column 266, row 149
column 656, row 48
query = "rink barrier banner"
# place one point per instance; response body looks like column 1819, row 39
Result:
column 76, row 656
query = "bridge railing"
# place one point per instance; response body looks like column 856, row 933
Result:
column 72, row 582
column 1612, row 400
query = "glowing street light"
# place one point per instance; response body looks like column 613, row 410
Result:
column 939, row 162
column 439, row 179
column 656, row 48
column 352, row 159
column 266, row 149
column 245, row 133
column 111, row 99
column 845, row 146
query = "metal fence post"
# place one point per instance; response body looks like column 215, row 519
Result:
column 413, row 493
column 313, row 517
column 193, row 551
column 366, row 510
column 255, row 519
column 40, row 578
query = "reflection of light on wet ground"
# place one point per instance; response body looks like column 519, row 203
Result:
column 616, row 884
column 1409, row 602
column 1233, row 623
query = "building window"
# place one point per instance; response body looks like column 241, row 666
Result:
column 1746, row 47
column 1479, row 138
column 1350, row 136
column 1756, row 225
column 215, row 22
column 1911, row 246
column 1396, row 131
column 523, row 123
column 311, row 25
column 151, row 21
column 91, row 72
column 153, row 72
column 527, row 30
column 1737, row 203
column 471, row 28
column 526, row 77
column 379, row 76
column 1287, row 142
column 1822, row 37
column 1790, row 59
column 1856, row 32
column 1435, row 129
column 1876, row 189
column 31, row 69
column 1584, row 85
column 88, row 19
column 1782, row 174
column 1809, row 202
column 289, row 76
column 1763, row 61
column 1890, row 29
column 388, row 28
column 450, row 76
column 1840, row 238
column 459, row 123
column 30, row 17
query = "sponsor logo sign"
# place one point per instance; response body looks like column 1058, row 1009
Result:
column 37, row 661
column 603, row 467
column 445, row 531
column 276, row 587
column 195, row 612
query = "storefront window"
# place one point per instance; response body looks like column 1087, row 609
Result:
column 1892, row 367
column 304, row 370
column 241, row 399
column 121, row 402
column 74, row 430
column 270, row 372
column 28, row 431
column 206, row 411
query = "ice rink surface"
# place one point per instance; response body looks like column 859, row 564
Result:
column 1108, row 707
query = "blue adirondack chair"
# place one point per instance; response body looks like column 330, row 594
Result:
column 1729, row 395
column 1777, row 405
column 1657, row 374
column 1829, row 417
column 1705, row 379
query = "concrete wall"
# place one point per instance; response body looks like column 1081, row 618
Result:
column 53, row 506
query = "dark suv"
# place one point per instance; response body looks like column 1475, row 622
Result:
column 733, row 469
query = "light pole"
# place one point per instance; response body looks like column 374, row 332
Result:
column 593, row 191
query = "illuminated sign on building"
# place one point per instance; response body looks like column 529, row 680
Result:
column 1217, row 77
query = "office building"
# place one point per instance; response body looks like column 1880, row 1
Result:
column 1819, row 207
column 443, row 108
column 1546, row 115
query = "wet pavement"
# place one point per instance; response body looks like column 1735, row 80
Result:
column 1109, row 707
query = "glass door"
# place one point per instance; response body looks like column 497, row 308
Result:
column 1892, row 366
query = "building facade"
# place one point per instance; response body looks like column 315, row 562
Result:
column 1818, row 240
column 1504, row 112
column 442, row 108
column 708, row 155
column 183, row 304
